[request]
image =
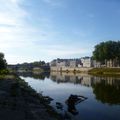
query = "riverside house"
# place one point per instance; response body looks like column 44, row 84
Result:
column 71, row 64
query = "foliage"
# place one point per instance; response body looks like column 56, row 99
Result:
column 40, row 63
column 109, row 50
column 4, row 71
column 3, row 64
column 29, row 66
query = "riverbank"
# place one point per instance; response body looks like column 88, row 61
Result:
column 18, row 101
column 105, row 71
column 70, row 69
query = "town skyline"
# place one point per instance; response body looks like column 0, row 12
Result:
column 49, row 29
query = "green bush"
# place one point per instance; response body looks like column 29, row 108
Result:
column 4, row 72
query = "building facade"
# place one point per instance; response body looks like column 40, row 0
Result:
column 72, row 63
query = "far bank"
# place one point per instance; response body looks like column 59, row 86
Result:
column 105, row 71
column 90, row 70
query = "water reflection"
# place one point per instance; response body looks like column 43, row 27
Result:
column 83, row 79
column 98, row 90
column 38, row 76
column 106, row 89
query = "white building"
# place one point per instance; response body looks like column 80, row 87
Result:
column 61, row 64
column 86, row 62
column 73, row 63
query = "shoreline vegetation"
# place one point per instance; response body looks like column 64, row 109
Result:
column 22, row 102
column 94, row 71
column 105, row 71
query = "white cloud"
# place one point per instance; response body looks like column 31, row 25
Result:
column 63, row 50
column 11, row 13
column 69, row 52
column 13, row 28
column 14, row 59
column 22, row 41
column 11, row 20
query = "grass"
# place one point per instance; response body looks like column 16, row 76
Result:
column 105, row 71
column 4, row 74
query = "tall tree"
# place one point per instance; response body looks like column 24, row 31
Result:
column 3, row 63
column 109, row 50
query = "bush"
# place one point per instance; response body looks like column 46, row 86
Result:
column 3, row 63
column 5, row 71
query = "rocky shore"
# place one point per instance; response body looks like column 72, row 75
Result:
column 18, row 101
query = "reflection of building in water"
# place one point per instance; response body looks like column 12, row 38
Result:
column 106, row 80
column 86, row 81
column 105, row 89
column 71, row 78
column 59, row 78
column 83, row 79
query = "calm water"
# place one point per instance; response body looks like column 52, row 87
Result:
column 103, row 94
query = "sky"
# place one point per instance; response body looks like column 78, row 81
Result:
column 33, row 30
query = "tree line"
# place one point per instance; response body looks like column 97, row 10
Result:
column 25, row 66
column 29, row 66
column 108, row 51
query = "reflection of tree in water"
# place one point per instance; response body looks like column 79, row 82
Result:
column 107, row 93
column 40, row 76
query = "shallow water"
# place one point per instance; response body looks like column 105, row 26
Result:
column 103, row 94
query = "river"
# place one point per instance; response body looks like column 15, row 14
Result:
column 102, row 93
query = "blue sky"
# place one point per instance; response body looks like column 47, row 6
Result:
column 33, row 30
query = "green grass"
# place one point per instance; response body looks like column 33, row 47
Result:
column 105, row 71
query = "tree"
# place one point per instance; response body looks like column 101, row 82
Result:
column 109, row 50
column 3, row 64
